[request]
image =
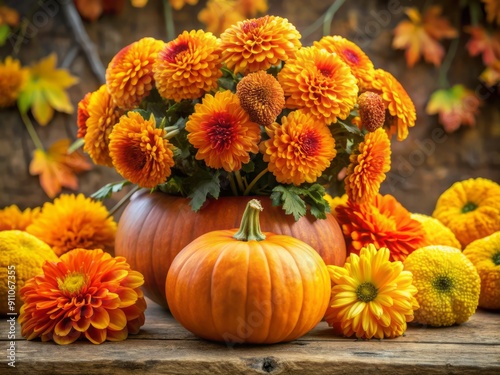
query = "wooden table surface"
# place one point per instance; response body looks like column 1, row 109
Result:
column 165, row 347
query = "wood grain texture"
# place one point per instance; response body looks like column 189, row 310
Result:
column 164, row 347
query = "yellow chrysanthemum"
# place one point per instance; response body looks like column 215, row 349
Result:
column 218, row 15
column 299, row 149
column 436, row 233
column 12, row 217
column 129, row 76
column 371, row 296
column 258, row 43
column 319, row 83
column 12, row 79
column 397, row 102
column 261, row 96
column 222, row 132
column 485, row 256
column 350, row 53
column 368, row 167
column 102, row 116
column 448, row 285
column 188, row 66
column 74, row 221
column 333, row 202
column 470, row 208
column 139, row 150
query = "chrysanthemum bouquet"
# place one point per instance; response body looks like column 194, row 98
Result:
column 250, row 113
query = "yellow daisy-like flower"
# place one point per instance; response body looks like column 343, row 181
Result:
column 12, row 217
column 83, row 115
column 12, row 79
column 261, row 96
column 470, row 208
column 319, row 83
column 371, row 296
column 368, row 167
column 102, row 116
column 73, row 221
column 140, row 151
column 258, row 43
column 129, row 76
column 188, row 66
column 436, row 233
column 333, row 202
column 350, row 53
column 299, row 149
column 222, row 132
column 397, row 102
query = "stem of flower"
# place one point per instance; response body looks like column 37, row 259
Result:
column 120, row 203
column 254, row 181
column 169, row 20
column 31, row 131
column 445, row 67
column 232, row 184
column 239, row 180
column 325, row 20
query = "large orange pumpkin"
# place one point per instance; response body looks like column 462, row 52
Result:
column 154, row 228
column 245, row 286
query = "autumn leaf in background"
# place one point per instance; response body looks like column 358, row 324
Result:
column 455, row 106
column 57, row 168
column 420, row 35
column 492, row 8
column 491, row 75
column 484, row 43
column 9, row 18
column 45, row 90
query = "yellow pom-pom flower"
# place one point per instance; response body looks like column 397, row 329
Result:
column 12, row 217
column 436, row 233
column 448, row 285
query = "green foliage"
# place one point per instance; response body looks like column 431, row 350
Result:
column 296, row 199
column 107, row 190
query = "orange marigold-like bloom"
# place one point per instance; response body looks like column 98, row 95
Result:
column 83, row 115
column 350, row 53
column 12, row 217
column 299, row 149
column 188, row 66
column 12, row 79
column 87, row 294
column 222, row 132
column 258, row 43
column 73, row 221
column 320, row 83
column 397, row 102
column 368, row 167
column 383, row 222
column 102, row 116
column 129, row 76
column 371, row 111
column 218, row 15
column 140, row 151
column 261, row 96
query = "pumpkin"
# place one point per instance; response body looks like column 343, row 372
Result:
column 154, row 228
column 246, row 286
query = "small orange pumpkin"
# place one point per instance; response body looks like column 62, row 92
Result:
column 245, row 286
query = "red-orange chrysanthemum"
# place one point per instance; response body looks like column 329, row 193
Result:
column 83, row 115
column 12, row 217
column 350, row 53
column 383, row 222
column 320, row 83
column 139, row 150
column 188, row 66
column 397, row 102
column 222, row 132
column 258, row 43
column 368, row 167
column 129, row 76
column 299, row 149
column 102, row 116
column 87, row 294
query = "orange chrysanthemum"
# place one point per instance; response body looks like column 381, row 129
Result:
column 102, row 117
column 320, row 83
column 261, row 96
column 371, row 109
column 223, row 132
column 129, row 76
column 83, row 115
column 368, row 167
column 397, row 102
column 140, row 151
column 73, row 221
column 350, row 53
column 12, row 79
column 12, row 217
column 87, row 294
column 258, row 43
column 188, row 66
column 383, row 222
column 299, row 149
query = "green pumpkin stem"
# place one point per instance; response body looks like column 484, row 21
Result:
column 250, row 224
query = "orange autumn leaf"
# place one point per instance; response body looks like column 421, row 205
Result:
column 57, row 168
column 483, row 43
column 420, row 35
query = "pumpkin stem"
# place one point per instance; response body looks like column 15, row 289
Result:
column 250, row 223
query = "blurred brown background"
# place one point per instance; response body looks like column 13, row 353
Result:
column 423, row 166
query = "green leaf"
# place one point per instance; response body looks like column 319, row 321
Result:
column 76, row 145
column 291, row 202
column 353, row 129
column 4, row 33
column 24, row 100
column 107, row 190
column 248, row 167
column 204, row 184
